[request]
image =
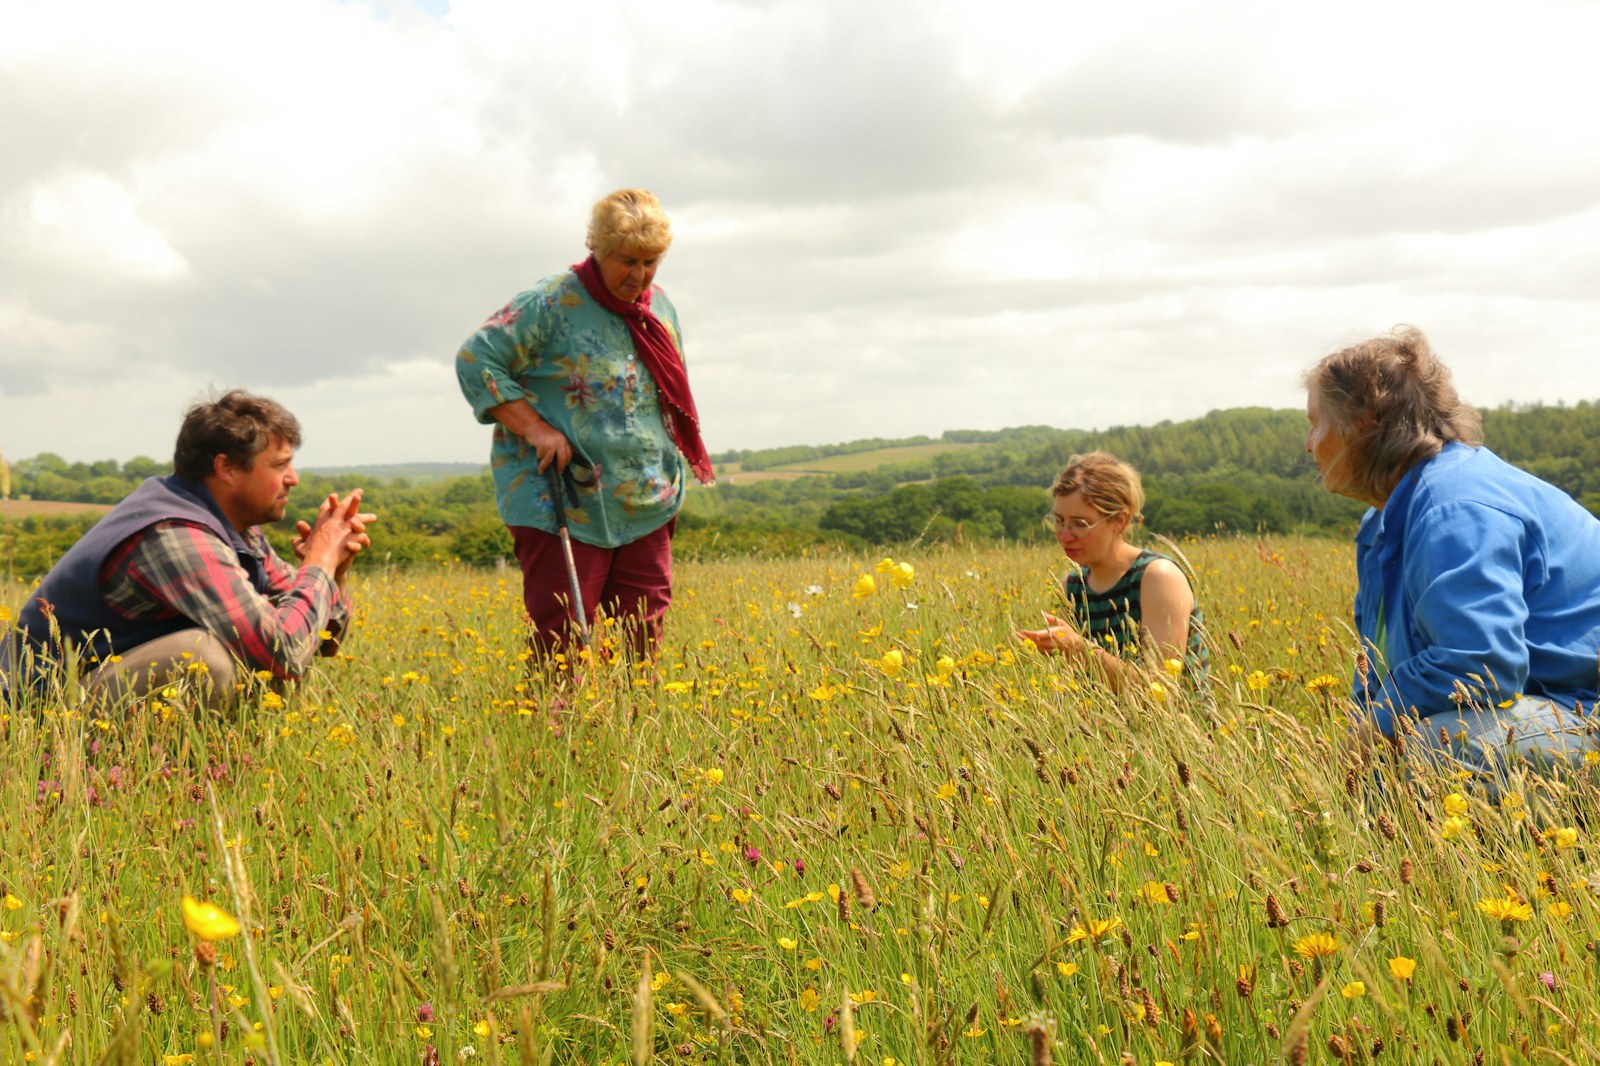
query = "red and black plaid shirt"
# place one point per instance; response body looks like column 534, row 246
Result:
column 176, row 569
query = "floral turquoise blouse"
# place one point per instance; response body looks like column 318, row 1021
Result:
column 574, row 362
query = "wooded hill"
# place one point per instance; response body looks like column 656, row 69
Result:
column 1239, row 470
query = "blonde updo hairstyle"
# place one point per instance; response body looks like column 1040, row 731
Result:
column 629, row 219
column 1394, row 403
column 1109, row 484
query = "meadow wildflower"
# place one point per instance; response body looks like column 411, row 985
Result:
column 1153, row 892
column 1353, row 990
column 1097, row 929
column 1402, row 967
column 1316, row 945
column 207, row 921
column 1507, row 908
column 864, row 587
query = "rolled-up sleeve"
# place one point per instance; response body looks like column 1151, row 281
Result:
column 489, row 363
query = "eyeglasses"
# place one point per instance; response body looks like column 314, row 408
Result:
column 1054, row 523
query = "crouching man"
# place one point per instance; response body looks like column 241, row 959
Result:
column 179, row 573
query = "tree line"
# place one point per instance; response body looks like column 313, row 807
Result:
column 1240, row 470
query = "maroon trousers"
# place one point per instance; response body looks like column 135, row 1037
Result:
column 631, row 583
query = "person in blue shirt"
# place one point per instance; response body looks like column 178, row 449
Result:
column 1478, row 584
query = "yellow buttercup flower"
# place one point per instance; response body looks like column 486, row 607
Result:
column 1353, row 990
column 1402, row 967
column 902, row 575
column 207, row 921
column 884, row 565
column 864, row 587
column 1455, row 804
column 893, row 661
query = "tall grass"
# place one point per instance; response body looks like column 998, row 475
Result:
column 782, row 843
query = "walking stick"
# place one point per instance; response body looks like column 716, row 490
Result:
column 555, row 480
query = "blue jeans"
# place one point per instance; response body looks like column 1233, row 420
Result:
column 1545, row 738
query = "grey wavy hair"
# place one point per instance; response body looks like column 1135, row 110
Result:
column 1395, row 404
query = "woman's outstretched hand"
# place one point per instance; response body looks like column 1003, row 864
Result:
column 1058, row 636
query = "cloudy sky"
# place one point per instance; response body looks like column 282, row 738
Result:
column 892, row 218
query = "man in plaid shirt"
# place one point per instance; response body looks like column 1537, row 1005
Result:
column 178, row 579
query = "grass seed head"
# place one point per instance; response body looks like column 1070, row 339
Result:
column 1275, row 916
column 864, row 894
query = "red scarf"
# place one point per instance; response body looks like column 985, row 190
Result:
column 660, row 356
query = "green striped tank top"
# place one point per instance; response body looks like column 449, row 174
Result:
column 1110, row 619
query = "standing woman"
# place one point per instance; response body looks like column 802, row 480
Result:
column 1478, row 585
column 584, row 374
column 1126, row 602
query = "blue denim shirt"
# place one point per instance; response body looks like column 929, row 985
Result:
column 1479, row 573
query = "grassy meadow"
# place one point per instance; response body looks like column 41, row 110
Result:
column 831, row 824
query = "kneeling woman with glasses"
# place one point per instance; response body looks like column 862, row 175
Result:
column 1128, row 605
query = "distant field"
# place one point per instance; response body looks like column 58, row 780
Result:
column 849, row 464
column 33, row 508
column 735, row 477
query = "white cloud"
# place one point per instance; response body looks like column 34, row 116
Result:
column 892, row 217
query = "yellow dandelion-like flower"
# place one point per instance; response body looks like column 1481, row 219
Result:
column 1316, row 945
column 902, row 575
column 1455, row 804
column 1154, row 892
column 893, row 662
column 1402, row 967
column 1453, row 826
column 788, row 943
column 864, row 587
column 1066, row 969
column 1353, row 990
column 885, row 565
column 1505, row 909
column 809, row 999
column 1097, row 929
